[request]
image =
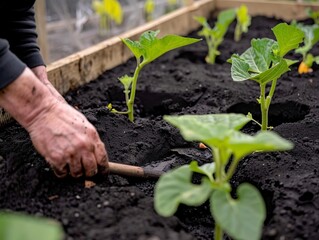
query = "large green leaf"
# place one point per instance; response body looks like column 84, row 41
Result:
column 288, row 37
column 211, row 129
column 243, row 218
column 207, row 169
column 242, row 144
column 150, row 47
column 21, row 227
column 175, row 187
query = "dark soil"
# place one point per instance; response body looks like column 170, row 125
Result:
column 180, row 82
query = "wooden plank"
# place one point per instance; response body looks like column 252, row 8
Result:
column 285, row 10
column 40, row 17
column 86, row 65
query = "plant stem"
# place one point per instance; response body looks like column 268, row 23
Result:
column 263, row 107
column 218, row 233
column 130, row 102
column 271, row 92
column 232, row 169
column 238, row 32
column 218, row 164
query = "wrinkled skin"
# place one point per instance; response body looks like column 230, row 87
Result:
column 61, row 134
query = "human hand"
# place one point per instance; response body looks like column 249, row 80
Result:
column 61, row 134
column 41, row 73
column 68, row 142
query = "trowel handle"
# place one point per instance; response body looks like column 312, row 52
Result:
column 133, row 171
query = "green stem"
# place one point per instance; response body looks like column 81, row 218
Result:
column 271, row 92
column 263, row 107
column 218, row 164
column 218, row 233
column 130, row 102
column 232, row 169
column 238, row 32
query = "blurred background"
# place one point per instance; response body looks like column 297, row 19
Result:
column 68, row 26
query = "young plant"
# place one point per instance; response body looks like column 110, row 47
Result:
column 149, row 7
column 146, row 50
column 16, row 226
column 314, row 15
column 109, row 11
column 264, row 63
column 215, row 36
column 311, row 38
column 243, row 22
column 240, row 218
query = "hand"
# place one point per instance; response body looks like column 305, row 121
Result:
column 68, row 142
column 61, row 134
column 41, row 73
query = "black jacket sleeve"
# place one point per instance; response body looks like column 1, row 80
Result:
column 18, row 39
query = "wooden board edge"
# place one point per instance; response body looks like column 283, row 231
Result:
column 285, row 10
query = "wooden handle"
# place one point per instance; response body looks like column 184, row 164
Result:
column 133, row 171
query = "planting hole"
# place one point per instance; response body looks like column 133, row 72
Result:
column 306, row 196
column 279, row 113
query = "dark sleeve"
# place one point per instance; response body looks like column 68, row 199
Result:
column 10, row 66
column 18, row 27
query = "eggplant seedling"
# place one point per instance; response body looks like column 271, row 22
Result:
column 243, row 22
column 240, row 218
column 215, row 36
column 264, row 63
column 146, row 50
column 311, row 38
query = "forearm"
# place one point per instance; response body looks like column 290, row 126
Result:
column 19, row 28
column 26, row 98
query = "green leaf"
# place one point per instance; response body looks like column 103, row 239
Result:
column 175, row 187
column 288, row 37
column 242, row 144
column 243, row 18
column 211, row 129
column 226, row 17
column 154, row 47
column 243, row 218
column 272, row 73
column 311, row 38
column 15, row 226
column 126, row 81
column 207, row 169
column 134, row 46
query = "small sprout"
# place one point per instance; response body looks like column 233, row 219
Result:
column 146, row 50
column 240, row 218
column 215, row 36
column 149, row 7
column 311, row 38
column 109, row 11
column 264, row 63
column 243, row 22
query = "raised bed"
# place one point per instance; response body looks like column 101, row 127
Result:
column 179, row 82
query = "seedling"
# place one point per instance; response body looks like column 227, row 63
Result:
column 243, row 22
column 314, row 15
column 109, row 11
column 215, row 36
column 311, row 38
column 240, row 218
column 264, row 63
column 146, row 50
column 171, row 5
column 149, row 7
column 15, row 226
